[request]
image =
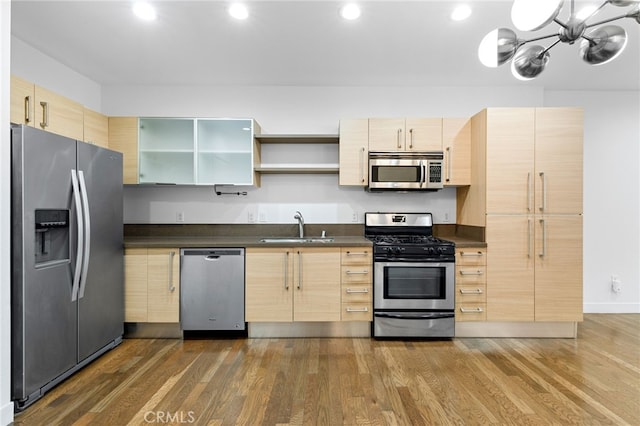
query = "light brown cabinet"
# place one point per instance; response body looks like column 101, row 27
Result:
column 152, row 285
column 36, row 106
column 410, row 134
column 292, row 284
column 123, row 137
column 526, row 191
column 96, row 128
column 456, row 145
column 357, row 279
column 471, row 284
column 354, row 152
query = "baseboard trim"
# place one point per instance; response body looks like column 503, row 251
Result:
column 517, row 329
column 149, row 330
column 6, row 413
column 264, row 330
column 612, row 308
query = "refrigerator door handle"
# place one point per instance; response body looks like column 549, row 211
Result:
column 80, row 248
column 87, row 234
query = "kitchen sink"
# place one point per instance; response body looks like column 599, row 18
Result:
column 295, row 240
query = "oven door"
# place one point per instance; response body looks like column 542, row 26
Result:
column 414, row 285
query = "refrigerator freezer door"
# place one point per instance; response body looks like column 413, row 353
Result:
column 101, row 295
column 44, row 328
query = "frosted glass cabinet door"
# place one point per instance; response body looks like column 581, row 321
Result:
column 225, row 151
column 167, row 150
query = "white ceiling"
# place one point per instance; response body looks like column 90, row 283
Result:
column 302, row 43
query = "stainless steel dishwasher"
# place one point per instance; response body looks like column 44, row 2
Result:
column 212, row 289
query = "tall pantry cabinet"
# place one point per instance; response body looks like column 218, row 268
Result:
column 527, row 192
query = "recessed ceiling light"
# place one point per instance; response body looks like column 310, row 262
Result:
column 350, row 11
column 144, row 10
column 238, row 11
column 461, row 12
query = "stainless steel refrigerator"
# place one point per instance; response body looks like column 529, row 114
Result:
column 67, row 277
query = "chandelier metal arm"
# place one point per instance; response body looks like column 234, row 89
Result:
column 559, row 22
column 521, row 42
column 541, row 54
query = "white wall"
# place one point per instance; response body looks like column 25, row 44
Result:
column 35, row 66
column 611, row 196
column 6, row 406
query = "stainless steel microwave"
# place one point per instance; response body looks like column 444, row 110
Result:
column 405, row 171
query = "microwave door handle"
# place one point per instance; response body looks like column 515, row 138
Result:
column 422, row 173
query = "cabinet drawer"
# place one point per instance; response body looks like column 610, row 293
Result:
column 356, row 312
column 356, row 294
column 356, row 256
column 471, row 256
column 356, row 274
column 471, row 312
column 471, row 294
column 471, row 275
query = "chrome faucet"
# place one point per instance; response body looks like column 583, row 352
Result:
column 300, row 219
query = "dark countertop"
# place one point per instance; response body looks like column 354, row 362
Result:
column 211, row 235
column 222, row 241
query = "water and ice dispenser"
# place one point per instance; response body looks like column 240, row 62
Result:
column 52, row 236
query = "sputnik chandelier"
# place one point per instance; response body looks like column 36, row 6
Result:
column 597, row 45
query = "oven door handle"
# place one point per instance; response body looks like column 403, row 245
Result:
column 414, row 316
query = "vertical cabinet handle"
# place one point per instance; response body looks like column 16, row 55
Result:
column 543, row 253
column 398, row 136
column 448, row 160
column 410, row 138
column 172, row 288
column 529, row 239
column 544, row 192
column 529, row 191
column 299, row 270
column 45, row 114
column 362, row 153
column 27, row 109
column 286, row 271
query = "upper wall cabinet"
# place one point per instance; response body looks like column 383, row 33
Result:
column 456, row 144
column 96, row 128
column 411, row 134
column 354, row 152
column 185, row 151
column 38, row 107
column 123, row 137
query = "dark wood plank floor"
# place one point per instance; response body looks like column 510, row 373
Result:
column 592, row 380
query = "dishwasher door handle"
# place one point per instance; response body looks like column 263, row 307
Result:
column 212, row 257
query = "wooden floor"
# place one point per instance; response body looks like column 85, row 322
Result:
column 591, row 380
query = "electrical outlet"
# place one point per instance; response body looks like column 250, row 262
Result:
column 446, row 217
column 180, row 217
column 616, row 284
column 262, row 217
column 354, row 217
column 251, row 217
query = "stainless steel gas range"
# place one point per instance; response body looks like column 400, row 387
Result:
column 414, row 273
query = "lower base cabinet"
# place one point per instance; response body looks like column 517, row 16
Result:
column 357, row 276
column 152, row 285
column 292, row 284
column 471, row 284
